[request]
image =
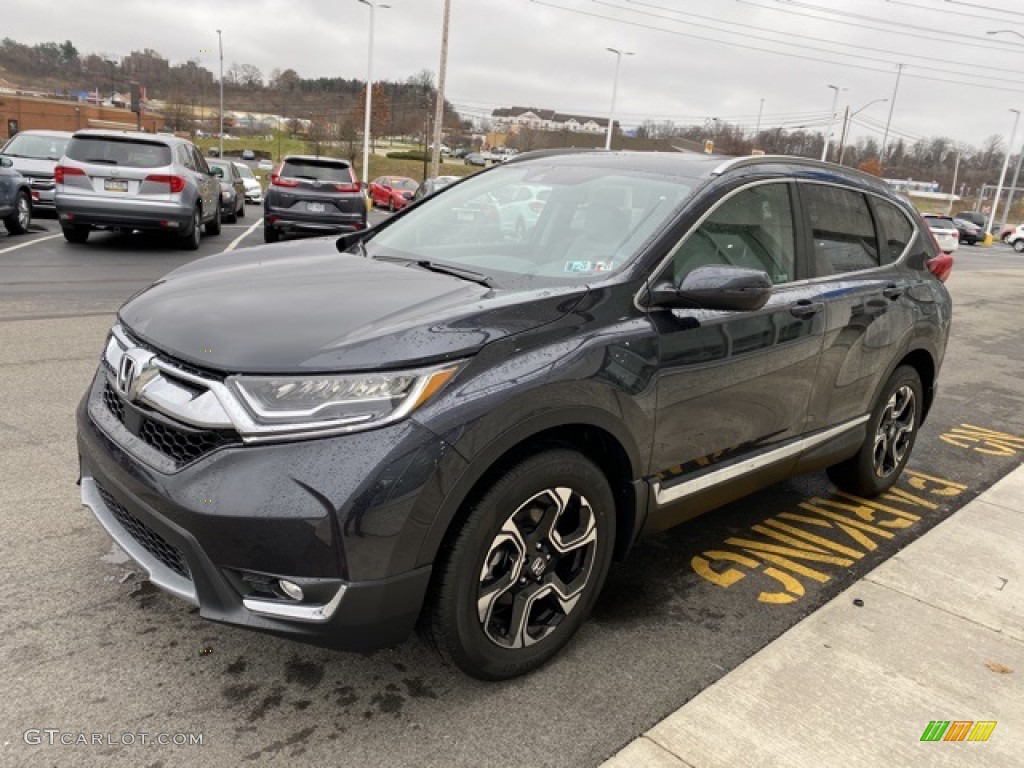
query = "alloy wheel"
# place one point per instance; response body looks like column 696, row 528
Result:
column 536, row 568
column 24, row 212
column 895, row 431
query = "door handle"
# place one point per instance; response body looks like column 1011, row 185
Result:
column 892, row 292
column 804, row 308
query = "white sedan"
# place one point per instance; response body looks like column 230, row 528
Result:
column 945, row 231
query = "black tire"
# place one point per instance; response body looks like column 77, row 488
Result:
column 270, row 234
column 240, row 214
column 18, row 222
column 1018, row 245
column 213, row 225
column 190, row 239
column 895, row 421
column 519, row 569
column 391, row 204
column 75, row 234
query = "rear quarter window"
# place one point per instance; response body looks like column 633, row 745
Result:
column 132, row 153
column 896, row 230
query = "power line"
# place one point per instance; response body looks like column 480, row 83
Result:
column 817, row 59
column 809, row 37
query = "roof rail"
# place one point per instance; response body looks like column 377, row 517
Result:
column 535, row 153
column 739, row 162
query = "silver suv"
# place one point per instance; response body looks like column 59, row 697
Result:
column 128, row 180
column 34, row 154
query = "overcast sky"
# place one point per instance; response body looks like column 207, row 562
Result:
column 694, row 59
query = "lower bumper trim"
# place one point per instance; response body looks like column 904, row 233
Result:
column 296, row 611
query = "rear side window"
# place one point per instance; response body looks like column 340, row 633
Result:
column 842, row 228
column 752, row 229
column 132, row 153
column 897, row 231
column 317, row 170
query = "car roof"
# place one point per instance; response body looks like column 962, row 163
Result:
column 317, row 158
column 47, row 133
column 112, row 134
column 693, row 165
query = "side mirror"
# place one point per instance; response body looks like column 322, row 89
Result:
column 349, row 239
column 715, row 287
column 6, row 162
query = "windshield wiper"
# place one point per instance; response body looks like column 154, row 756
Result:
column 444, row 269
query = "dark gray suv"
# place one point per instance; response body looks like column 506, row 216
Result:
column 433, row 420
column 313, row 194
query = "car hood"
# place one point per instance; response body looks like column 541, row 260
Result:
column 30, row 166
column 302, row 306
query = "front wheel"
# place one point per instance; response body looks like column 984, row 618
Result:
column 17, row 223
column 521, row 575
column 891, row 433
column 1018, row 245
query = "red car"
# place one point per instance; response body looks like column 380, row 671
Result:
column 393, row 191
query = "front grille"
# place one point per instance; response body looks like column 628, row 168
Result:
column 152, row 541
column 179, row 443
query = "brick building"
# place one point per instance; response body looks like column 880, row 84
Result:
column 19, row 112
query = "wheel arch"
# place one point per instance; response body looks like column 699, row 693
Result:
column 601, row 440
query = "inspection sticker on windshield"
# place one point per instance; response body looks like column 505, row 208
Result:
column 577, row 266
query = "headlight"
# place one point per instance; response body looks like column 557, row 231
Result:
column 326, row 401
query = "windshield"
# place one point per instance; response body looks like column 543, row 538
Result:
column 36, row 147
column 244, row 171
column 537, row 224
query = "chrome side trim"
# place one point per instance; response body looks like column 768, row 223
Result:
column 675, row 492
column 157, row 572
column 296, row 611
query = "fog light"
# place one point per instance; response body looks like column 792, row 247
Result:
column 293, row 590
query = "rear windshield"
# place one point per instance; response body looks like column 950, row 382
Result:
column 244, row 171
column 936, row 222
column 36, row 147
column 317, row 170
column 134, row 153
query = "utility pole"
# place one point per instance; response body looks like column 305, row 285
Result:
column 952, row 189
column 892, row 106
column 615, row 88
column 831, row 121
column 757, row 130
column 1013, row 186
column 369, row 89
column 220, row 46
column 435, row 156
column 1002, row 174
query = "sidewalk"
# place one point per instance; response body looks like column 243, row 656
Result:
column 940, row 636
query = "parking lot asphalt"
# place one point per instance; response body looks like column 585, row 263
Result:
column 90, row 648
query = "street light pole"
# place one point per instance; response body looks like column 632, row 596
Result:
column 831, row 121
column 369, row 88
column 615, row 89
column 435, row 157
column 1020, row 157
column 1002, row 174
column 220, row 47
column 892, row 106
column 760, row 111
column 846, row 124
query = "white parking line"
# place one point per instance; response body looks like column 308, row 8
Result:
column 29, row 242
column 241, row 237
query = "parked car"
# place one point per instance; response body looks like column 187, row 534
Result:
column 474, row 158
column 432, row 185
column 460, row 152
column 248, row 154
column 433, row 427
column 977, row 218
column 213, row 152
column 393, row 192
column 35, row 154
column 15, row 199
column 313, row 194
column 519, row 213
column 129, row 180
column 1016, row 238
column 232, row 189
column 969, row 233
column 265, row 165
column 253, row 188
column 945, row 231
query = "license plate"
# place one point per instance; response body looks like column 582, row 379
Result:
column 315, row 207
column 115, row 185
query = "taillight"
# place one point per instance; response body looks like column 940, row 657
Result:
column 176, row 183
column 279, row 181
column 956, row 234
column 62, row 171
column 940, row 266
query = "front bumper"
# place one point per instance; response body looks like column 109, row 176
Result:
column 343, row 517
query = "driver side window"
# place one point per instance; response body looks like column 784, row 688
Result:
column 752, row 229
